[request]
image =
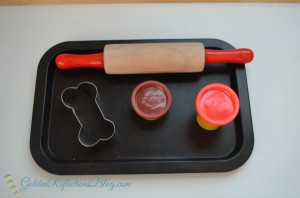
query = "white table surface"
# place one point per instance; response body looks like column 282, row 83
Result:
column 271, row 30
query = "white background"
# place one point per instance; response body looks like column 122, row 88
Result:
column 271, row 30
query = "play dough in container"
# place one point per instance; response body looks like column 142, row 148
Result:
column 216, row 105
column 151, row 100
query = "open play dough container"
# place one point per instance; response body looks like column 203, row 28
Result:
column 216, row 105
column 151, row 100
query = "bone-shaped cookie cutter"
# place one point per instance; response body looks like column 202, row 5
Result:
column 84, row 101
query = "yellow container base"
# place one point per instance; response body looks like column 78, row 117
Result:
column 205, row 125
column 151, row 119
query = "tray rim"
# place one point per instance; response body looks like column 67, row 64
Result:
column 144, row 167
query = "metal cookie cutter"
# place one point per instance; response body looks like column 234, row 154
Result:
column 84, row 101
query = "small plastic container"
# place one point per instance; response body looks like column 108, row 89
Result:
column 151, row 100
column 216, row 105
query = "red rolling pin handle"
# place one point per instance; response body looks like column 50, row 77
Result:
column 71, row 61
column 239, row 56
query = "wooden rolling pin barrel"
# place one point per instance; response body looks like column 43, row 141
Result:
column 145, row 58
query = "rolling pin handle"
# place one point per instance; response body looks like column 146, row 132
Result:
column 239, row 56
column 72, row 61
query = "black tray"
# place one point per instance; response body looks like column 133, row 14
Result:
column 172, row 144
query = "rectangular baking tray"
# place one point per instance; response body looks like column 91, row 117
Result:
column 173, row 144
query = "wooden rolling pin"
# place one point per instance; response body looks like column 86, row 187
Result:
column 154, row 58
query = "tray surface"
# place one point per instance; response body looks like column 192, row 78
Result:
column 174, row 143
